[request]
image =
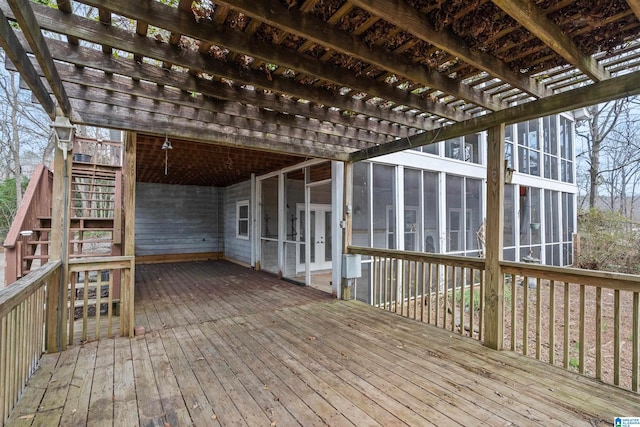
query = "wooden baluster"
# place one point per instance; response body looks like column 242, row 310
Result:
column 461, row 302
column 429, row 286
column 525, row 317
column 583, row 309
column 567, row 319
column 98, row 302
column 616, row 337
column 415, row 289
column 599, row 333
column 110, row 307
column 481, row 305
column 514, row 299
column 437, row 301
column 552, row 322
column 538, row 318
column 635, row 358
column 85, row 307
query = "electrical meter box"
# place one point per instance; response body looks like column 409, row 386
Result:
column 351, row 266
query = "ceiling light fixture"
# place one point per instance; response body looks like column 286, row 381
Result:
column 166, row 146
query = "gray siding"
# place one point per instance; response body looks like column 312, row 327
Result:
column 174, row 219
column 235, row 248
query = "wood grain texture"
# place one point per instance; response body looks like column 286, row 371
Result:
column 238, row 347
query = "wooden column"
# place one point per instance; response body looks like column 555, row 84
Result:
column 494, row 291
column 347, row 231
column 56, row 322
column 128, row 277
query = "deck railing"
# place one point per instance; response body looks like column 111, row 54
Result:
column 98, row 309
column 25, row 228
column 443, row 290
column 23, row 317
column 97, row 152
column 583, row 320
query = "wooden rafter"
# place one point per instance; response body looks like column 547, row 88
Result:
column 402, row 15
column 178, row 21
column 18, row 56
column 317, row 31
column 94, row 32
column 142, row 121
column 635, row 6
column 532, row 18
column 606, row 90
column 24, row 15
column 89, row 58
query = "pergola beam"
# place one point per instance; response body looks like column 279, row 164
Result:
column 96, row 69
column 313, row 29
column 31, row 29
column 399, row 13
column 18, row 56
column 95, row 32
column 533, row 19
column 606, row 90
column 96, row 114
column 635, row 6
column 178, row 21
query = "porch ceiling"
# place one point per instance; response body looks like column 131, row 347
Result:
column 334, row 79
column 193, row 163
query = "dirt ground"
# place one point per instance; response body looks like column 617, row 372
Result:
column 547, row 319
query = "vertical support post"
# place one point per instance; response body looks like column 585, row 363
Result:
column 494, row 294
column 129, row 275
column 56, row 325
column 347, row 231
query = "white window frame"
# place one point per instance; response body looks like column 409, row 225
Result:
column 240, row 204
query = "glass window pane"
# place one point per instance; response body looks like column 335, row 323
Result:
column 384, row 209
column 455, row 217
column 361, row 206
column 412, row 223
column 431, row 212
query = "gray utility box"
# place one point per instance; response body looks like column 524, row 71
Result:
column 351, row 266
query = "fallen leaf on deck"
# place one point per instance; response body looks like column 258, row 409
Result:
column 199, row 358
column 273, row 424
column 195, row 406
column 26, row 417
column 214, row 417
column 311, row 338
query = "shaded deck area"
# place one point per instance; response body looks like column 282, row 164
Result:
column 225, row 345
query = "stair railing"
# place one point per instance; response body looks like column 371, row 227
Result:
column 36, row 204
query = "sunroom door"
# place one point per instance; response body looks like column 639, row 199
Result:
column 319, row 239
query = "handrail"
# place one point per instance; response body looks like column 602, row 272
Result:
column 25, row 216
column 452, row 260
column 25, row 314
column 36, row 203
column 583, row 320
column 603, row 279
column 97, row 151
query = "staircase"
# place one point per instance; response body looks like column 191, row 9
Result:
column 96, row 210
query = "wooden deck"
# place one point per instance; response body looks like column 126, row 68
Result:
column 228, row 346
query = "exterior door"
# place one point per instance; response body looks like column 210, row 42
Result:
column 319, row 239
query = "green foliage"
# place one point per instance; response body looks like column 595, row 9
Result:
column 8, row 206
column 609, row 242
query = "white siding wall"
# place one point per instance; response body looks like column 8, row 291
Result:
column 235, row 248
column 175, row 219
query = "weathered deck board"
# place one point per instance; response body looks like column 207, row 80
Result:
column 229, row 346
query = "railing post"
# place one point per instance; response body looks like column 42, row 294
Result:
column 348, row 224
column 494, row 294
column 128, row 277
column 59, row 250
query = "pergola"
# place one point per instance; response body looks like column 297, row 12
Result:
column 332, row 79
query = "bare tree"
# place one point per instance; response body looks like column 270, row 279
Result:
column 24, row 130
column 621, row 161
column 601, row 120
